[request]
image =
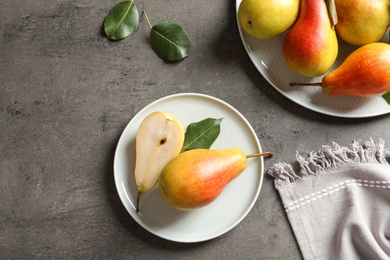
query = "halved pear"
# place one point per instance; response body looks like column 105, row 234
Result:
column 160, row 137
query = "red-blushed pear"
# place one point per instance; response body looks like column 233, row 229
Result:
column 159, row 138
column 195, row 178
column 310, row 47
column 365, row 73
column 362, row 21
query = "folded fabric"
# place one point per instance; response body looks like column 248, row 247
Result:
column 338, row 202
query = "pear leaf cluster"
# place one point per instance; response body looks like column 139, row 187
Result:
column 168, row 39
column 202, row 134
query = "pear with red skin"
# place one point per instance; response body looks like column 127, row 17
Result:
column 195, row 178
column 310, row 48
column 364, row 73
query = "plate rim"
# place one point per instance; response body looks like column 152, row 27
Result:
column 256, row 144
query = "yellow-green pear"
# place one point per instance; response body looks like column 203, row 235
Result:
column 362, row 21
column 265, row 19
column 195, row 178
column 159, row 138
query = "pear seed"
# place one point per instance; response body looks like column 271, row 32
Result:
column 163, row 141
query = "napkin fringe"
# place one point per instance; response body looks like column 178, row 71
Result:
column 331, row 158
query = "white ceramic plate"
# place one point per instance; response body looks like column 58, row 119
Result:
column 267, row 56
column 228, row 209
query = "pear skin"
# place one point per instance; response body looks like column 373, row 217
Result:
column 267, row 19
column 310, row 47
column 159, row 138
column 365, row 73
column 362, row 21
column 195, row 178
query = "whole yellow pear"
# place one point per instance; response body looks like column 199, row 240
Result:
column 265, row 19
column 362, row 21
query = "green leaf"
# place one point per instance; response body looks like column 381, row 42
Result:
column 169, row 41
column 387, row 97
column 202, row 134
column 121, row 20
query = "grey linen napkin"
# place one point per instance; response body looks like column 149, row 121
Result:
column 338, row 202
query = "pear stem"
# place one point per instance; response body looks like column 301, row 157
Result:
column 147, row 19
column 138, row 199
column 332, row 12
column 317, row 84
column 271, row 154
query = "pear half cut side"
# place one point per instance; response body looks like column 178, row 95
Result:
column 159, row 138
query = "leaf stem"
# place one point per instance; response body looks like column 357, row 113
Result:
column 147, row 19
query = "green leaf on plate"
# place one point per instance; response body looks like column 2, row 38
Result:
column 121, row 20
column 169, row 41
column 387, row 97
column 202, row 134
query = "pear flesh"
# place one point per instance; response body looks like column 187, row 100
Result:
column 197, row 177
column 159, row 138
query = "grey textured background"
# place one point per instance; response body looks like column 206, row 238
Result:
column 66, row 94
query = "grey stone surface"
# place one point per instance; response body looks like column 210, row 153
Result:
column 66, row 94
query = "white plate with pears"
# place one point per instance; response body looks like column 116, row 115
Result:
column 230, row 207
column 267, row 57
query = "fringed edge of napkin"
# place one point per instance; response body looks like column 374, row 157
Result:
column 331, row 158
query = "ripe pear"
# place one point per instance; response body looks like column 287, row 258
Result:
column 362, row 21
column 310, row 47
column 159, row 138
column 365, row 73
column 266, row 19
column 195, row 178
